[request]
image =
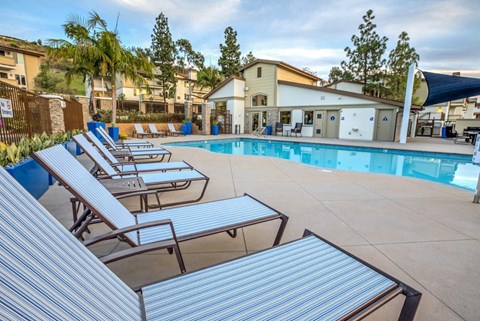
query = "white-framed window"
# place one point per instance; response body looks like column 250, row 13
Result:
column 286, row 117
column 21, row 80
column 259, row 100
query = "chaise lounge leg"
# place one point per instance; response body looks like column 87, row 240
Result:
column 410, row 305
column 281, row 229
column 232, row 233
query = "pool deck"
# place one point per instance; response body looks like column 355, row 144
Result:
column 426, row 234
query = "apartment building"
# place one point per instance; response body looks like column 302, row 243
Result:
column 19, row 62
column 149, row 99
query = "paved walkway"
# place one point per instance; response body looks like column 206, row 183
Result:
column 425, row 234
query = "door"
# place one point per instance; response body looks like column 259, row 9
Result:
column 318, row 124
column 332, row 123
column 259, row 119
column 385, row 125
column 255, row 121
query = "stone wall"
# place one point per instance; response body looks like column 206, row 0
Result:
column 86, row 115
column 56, row 115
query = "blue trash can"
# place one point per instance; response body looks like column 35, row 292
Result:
column 268, row 130
column 444, row 132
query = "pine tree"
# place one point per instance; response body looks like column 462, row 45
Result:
column 187, row 57
column 163, row 57
column 248, row 58
column 229, row 60
column 366, row 64
column 400, row 58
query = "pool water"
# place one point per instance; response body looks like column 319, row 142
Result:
column 451, row 169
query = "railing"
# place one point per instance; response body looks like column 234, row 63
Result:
column 31, row 114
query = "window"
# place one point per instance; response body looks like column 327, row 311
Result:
column 2, row 53
column 21, row 80
column 259, row 100
column 308, row 117
column 259, row 72
column 3, row 75
column 286, row 117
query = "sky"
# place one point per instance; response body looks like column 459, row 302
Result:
column 302, row 33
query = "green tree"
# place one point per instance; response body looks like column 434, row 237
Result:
column 400, row 58
column 187, row 57
column 209, row 77
column 47, row 80
column 248, row 58
column 366, row 63
column 229, row 60
column 80, row 50
column 337, row 73
column 129, row 64
column 163, row 57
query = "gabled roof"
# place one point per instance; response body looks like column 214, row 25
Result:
column 281, row 64
column 221, row 85
column 350, row 94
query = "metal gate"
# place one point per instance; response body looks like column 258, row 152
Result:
column 31, row 114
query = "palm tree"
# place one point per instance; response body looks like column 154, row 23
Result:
column 96, row 51
column 208, row 77
column 129, row 64
column 80, row 50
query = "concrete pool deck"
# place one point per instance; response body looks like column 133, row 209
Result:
column 426, row 234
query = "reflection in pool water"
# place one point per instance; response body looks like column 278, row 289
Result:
column 456, row 170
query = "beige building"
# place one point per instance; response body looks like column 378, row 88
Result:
column 149, row 99
column 19, row 66
column 273, row 91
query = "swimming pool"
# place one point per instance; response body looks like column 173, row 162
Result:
column 451, row 169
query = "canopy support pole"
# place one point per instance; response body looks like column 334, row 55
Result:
column 407, row 104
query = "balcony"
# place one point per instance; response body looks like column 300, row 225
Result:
column 7, row 63
column 12, row 82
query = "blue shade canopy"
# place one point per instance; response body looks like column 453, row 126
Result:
column 442, row 88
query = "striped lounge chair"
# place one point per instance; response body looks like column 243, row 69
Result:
column 59, row 162
column 139, row 131
column 131, row 153
column 172, row 131
column 120, row 167
column 154, row 131
column 48, row 275
column 135, row 143
column 187, row 222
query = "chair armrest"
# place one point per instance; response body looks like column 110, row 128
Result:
column 137, row 250
column 131, row 228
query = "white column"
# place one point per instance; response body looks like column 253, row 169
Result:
column 407, row 104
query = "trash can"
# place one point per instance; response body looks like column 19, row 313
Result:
column 444, row 132
column 269, row 130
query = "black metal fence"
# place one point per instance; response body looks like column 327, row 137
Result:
column 31, row 114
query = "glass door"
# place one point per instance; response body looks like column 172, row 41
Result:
column 255, row 121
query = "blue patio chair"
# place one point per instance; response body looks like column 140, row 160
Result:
column 297, row 129
column 48, row 275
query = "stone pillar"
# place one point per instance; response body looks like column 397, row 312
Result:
column 56, row 115
column 84, row 100
column 188, row 110
column 206, row 111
